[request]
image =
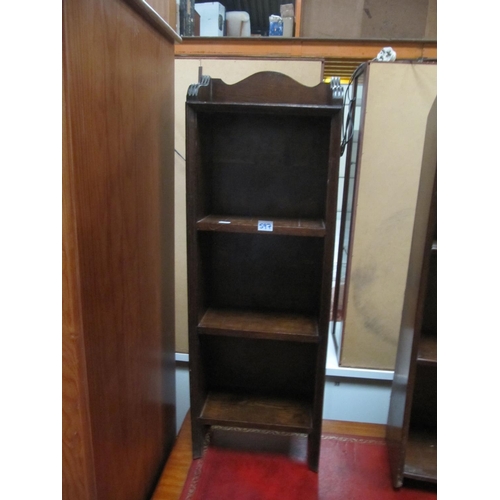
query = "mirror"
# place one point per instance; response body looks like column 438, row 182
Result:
column 334, row 19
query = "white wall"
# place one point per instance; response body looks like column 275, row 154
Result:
column 181, row 391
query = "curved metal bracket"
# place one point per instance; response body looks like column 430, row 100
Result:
column 195, row 87
column 337, row 90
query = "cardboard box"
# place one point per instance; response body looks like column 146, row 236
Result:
column 212, row 18
column 365, row 19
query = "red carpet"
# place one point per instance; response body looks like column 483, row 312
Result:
column 351, row 468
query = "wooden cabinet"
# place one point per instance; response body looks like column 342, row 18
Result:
column 262, row 173
column 118, row 366
column 412, row 422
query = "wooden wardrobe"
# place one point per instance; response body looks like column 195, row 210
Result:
column 118, row 361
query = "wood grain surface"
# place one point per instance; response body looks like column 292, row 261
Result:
column 78, row 474
column 251, row 324
column 174, row 474
column 119, row 338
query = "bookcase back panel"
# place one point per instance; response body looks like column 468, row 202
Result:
column 280, row 273
column 271, row 368
column 429, row 320
column 265, row 165
column 424, row 404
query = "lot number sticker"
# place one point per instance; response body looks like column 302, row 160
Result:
column 265, row 225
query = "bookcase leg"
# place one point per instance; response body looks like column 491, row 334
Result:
column 198, row 437
column 313, row 449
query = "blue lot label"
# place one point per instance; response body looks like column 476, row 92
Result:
column 265, row 225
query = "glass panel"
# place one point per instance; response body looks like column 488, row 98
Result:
column 353, row 106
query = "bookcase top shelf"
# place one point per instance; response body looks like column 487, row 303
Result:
column 275, row 109
column 263, row 91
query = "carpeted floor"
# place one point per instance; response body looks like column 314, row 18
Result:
column 258, row 465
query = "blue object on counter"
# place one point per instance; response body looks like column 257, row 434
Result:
column 275, row 26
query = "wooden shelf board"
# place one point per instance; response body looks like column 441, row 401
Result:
column 274, row 108
column 427, row 349
column 293, row 227
column 264, row 325
column 239, row 410
column 421, row 455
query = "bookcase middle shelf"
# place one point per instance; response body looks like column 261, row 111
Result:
column 259, row 325
column 262, row 225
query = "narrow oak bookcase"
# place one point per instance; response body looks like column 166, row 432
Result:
column 262, row 159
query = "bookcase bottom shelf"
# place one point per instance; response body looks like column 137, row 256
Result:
column 421, row 455
column 261, row 412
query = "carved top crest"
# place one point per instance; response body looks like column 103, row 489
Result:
column 266, row 88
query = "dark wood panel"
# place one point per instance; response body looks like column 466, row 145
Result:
column 272, row 166
column 291, row 227
column 314, row 438
column 251, row 324
column 197, row 201
column 258, row 272
column 424, row 397
column 235, row 409
column 119, row 81
column 429, row 319
column 260, row 367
